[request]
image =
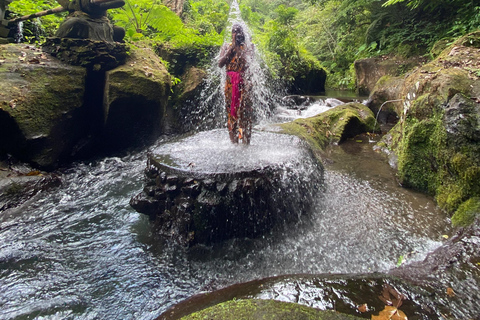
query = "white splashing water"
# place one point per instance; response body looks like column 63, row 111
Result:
column 19, row 33
column 266, row 94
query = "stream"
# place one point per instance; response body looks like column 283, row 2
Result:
column 81, row 252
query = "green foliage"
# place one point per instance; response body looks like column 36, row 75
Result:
column 274, row 31
column 286, row 15
column 207, row 16
column 48, row 24
column 147, row 18
column 151, row 20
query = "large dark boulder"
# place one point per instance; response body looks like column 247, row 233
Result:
column 52, row 112
column 41, row 99
column 135, row 99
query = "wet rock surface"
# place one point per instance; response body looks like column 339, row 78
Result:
column 41, row 99
column 96, row 55
column 450, row 276
column 20, row 183
column 203, row 189
column 442, row 286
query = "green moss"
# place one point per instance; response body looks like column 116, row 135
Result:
column 429, row 159
column 44, row 95
column 466, row 212
column 418, row 156
column 252, row 309
column 459, row 180
column 334, row 125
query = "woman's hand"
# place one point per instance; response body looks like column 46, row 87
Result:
column 226, row 55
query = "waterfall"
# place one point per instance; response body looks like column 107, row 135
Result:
column 265, row 95
column 19, row 33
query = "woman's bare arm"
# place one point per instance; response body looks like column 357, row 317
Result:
column 226, row 54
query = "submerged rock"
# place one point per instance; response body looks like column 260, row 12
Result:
column 204, row 189
column 443, row 285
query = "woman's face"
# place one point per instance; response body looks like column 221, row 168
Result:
column 237, row 35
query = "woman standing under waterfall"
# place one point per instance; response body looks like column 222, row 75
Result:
column 239, row 107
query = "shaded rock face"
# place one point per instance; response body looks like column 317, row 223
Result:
column 135, row 99
column 313, row 82
column 370, row 70
column 186, row 101
column 385, row 99
column 52, row 112
column 181, row 59
column 41, row 103
column 204, row 189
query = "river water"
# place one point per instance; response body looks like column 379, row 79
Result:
column 81, row 252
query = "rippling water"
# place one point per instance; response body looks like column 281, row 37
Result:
column 81, row 252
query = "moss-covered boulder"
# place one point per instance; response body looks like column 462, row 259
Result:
column 369, row 71
column 333, row 126
column 135, row 99
column 385, row 97
column 254, row 309
column 438, row 136
column 41, row 98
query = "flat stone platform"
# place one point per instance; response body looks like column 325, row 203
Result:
column 203, row 188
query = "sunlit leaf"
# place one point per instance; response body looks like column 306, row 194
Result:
column 390, row 313
column 450, row 292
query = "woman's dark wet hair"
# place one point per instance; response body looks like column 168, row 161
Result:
column 240, row 38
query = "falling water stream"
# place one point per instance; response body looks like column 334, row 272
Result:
column 81, row 252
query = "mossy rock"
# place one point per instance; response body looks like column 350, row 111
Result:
column 252, row 309
column 333, row 126
column 386, row 89
column 466, row 212
column 135, row 99
column 437, row 137
column 41, row 114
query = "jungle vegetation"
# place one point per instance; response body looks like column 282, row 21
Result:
column 332, row 33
